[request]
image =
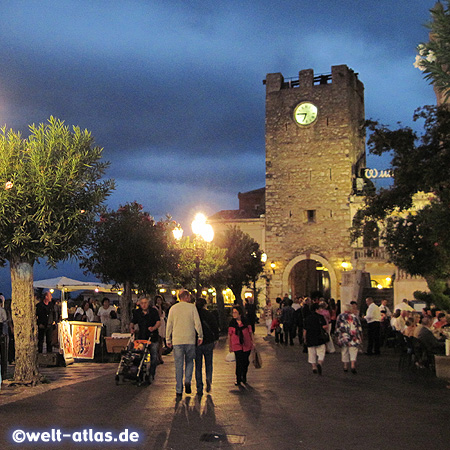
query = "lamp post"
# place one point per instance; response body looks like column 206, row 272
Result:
column 202, row 231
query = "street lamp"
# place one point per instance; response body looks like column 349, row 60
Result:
column 177, row 232
column 202, row 231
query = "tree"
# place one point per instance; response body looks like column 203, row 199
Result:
column 52, row 192
column 213, row 269
column 128, row 247
column 415, row 235
column 244, row 258
column 434, row 56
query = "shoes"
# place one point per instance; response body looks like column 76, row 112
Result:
column 208, row 386
column 179, row 396
column 345, row 370
column 291, row 343
column 238, row 383
column 319, row 369
column 354, row 371
column 314, row 370
column 187, row 388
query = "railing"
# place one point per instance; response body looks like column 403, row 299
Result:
column 293, row 82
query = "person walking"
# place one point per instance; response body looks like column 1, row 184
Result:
column 182, row 324
column 241, row 343
column 312, row 336
column 148, row 321
column 287, row 319
column 205, row 350
column 349, row 337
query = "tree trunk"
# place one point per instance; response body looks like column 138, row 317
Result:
column 24, row 319
column 221, row 309
column 237, row 291
column 125, row 307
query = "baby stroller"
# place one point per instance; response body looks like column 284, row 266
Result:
column 134, row 362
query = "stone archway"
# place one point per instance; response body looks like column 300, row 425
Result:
column 305, row 258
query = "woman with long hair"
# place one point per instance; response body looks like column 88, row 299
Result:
column 240, row 342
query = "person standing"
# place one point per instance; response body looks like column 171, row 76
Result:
column 241, row 343
column 384, row 307
column 3, row 317
column 45, row 320
column 250, row 309
column 349, row 337
column 104, row 312
column 205, row 350
column 84, row 313
column 373, row 319
column 148, row 321
column 182, row 324
column 160, row 307
column 268, row 316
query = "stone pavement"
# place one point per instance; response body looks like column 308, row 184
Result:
column 56, row 377
column 284, row 405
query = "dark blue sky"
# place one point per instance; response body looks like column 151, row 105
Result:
column 173, row 89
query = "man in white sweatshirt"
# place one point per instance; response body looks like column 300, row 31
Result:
column 182, row 325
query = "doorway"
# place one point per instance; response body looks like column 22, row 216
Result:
column 309, row 276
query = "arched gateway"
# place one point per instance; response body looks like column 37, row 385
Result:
column 307, row 273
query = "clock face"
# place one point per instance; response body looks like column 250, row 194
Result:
column 305, row 113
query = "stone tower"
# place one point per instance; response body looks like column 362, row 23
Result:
column 315, row 147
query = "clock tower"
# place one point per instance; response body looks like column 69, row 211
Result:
column 315, row 146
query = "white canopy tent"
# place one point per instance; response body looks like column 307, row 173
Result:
column 65, row 284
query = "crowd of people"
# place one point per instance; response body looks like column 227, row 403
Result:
column 320, row 324
column 191, row 331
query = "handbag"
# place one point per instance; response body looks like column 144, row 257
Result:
column 324, row 336
column 257, row 360
column 230, row 357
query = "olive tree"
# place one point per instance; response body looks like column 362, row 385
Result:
column 51, row 190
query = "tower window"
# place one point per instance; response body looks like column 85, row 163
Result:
column 311, row 215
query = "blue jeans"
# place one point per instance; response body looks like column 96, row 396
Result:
column 203, row 351
column 184, row 355
column 153, row 347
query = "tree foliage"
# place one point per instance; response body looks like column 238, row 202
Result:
column 415, row 233
column 213, row 263
column 244, row 258
column 51, row 190
column 128, row 247
column 434, row 55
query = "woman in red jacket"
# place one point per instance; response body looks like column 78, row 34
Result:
column 241, row 343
